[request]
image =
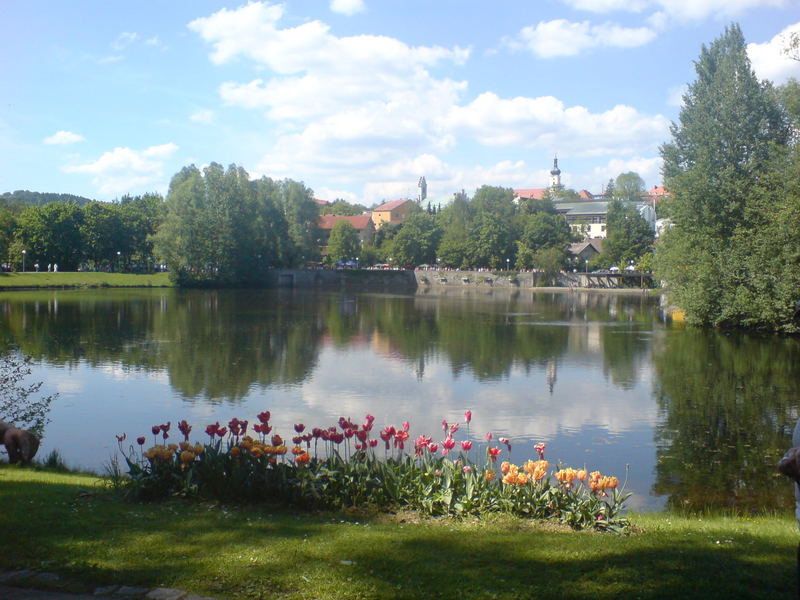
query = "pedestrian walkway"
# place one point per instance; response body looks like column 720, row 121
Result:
column 25, row 585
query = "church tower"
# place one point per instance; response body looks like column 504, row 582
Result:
column 555, row 175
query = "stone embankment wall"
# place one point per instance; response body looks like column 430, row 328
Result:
column 426, row 279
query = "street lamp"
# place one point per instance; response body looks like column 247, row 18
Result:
column 118, row 263
column 508, row 267
column 586, row 267
column 24, row 252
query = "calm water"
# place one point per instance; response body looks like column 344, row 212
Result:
column 699, row 418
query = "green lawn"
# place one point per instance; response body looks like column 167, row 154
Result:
column 82, row 279
column 69, row 524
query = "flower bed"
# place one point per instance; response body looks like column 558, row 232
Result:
column 340, row 466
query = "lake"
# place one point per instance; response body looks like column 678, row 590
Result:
column 696, row 418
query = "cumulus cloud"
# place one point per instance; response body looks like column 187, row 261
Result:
column 560, row 37
column 345, row 110
column 546, row 122
column 64, row 137
column 347, row 7
column 770, row 62
column 123, row 170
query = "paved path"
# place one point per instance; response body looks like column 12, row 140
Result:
column 22, row 585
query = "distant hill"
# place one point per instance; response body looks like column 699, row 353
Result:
column 24, row 197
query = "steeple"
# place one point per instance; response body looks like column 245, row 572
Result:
column 555, row 174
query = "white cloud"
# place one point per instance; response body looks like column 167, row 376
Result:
column 648, row 169
column 769, row 60
column 124, row 170
column 347, row 7
column 64, row 137
column 545, row 122
column 566, row 38
column 204, row 116
column 349, row 110
column 683, row 10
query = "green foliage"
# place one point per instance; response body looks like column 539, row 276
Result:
column 343, row 243
column 50, row 234
column 20, row 403
column 416, row 242
column 544, row 233
column 730, row 259
column 629, row 235
column 491, row 242
column 344, row 208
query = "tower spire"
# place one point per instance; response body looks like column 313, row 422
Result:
column 555, row 174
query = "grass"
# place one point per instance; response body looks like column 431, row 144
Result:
column 70, row 524
column 82, row 280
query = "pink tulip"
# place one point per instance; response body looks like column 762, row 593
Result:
column 444, row 425
column 466, row 445
column 453, row 428
column 489, row 436
column 449, row 443
column 540, row 449
column 468, row 416
column 433, row 448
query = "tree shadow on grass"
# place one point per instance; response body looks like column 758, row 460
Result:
column 262, row 551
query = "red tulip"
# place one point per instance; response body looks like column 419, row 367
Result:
column 185, row 429
column 466, row 445
column 449, row 443
column 373, row 443
column 406, row 425
column 263, row 417
column 433, row 448
column 121, row 438
column 277, row 440
column 299, row 427
column 540, row 449
column 156, row 429
column 493, row 453
column 140, row 441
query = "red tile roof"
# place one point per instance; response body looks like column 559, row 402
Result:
column 586, row 195
column 391, row 205
column 530, row 193
column 658, row 190
column 321, row 202
column 359, row 222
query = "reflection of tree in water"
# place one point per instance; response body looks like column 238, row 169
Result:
column 218, row 344
column 729, row 404
column 223, row 342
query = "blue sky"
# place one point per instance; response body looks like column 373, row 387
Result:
column 357, row 98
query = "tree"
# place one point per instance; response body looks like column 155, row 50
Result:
column 417, row 241
column 302, row 215
column 19, row 402
column 629, row 234
column 343, row 208
column 543, row 231
column 726, row 168
column 50, row 234
column 491, row 242
column 628, row 187
column 723, row 142
column 343, row 243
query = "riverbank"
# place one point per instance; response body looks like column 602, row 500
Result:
column 71, row 525
column 31, row 280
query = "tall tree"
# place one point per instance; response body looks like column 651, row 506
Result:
column 724, row 168
column 628, row 187
column 50, row 234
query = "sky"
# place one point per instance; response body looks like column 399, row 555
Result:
column 356, row 98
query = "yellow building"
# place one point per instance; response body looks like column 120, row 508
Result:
column 393, row 212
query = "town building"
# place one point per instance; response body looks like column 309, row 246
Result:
column 587, row 214
column 393, row 212
column 362, row 223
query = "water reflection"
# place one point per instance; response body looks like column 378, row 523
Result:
column 700, row 417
